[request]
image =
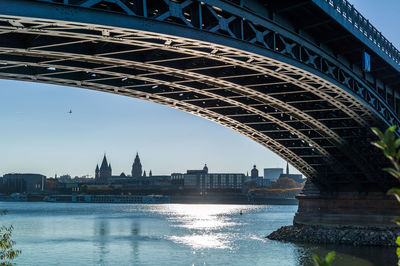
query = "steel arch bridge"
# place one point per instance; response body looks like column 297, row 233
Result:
column 287, row 74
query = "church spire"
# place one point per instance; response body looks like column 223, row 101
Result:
column 97, row 172
column 104, row 163
column 105, row 170
column 137, row 167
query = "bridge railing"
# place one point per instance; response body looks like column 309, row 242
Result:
column 359, row 22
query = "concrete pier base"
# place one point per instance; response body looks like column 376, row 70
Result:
column 342, row 218
column 346, row 210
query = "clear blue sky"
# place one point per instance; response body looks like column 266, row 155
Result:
column 37, row 134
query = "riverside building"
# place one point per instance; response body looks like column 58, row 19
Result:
column 24, row 183
column 202, row 182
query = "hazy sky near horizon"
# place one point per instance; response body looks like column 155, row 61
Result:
column 39, row 136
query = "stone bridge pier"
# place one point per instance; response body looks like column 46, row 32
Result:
column 350, row 218
column 373, row 210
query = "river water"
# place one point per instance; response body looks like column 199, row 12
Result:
column 165, row 234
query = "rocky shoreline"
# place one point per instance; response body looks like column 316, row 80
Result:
column 342, row 236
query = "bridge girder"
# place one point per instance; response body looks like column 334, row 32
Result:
column 282, row 92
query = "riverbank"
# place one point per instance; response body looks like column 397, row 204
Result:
column 336, row 236
column 236, row 199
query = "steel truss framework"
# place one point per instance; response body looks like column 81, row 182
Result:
column 213, row 59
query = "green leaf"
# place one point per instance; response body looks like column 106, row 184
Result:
column 397, row 221
column 389, row 136
column 398, row 239
column 377, row 132
column 398, row 252
column 393, row 172
column 395, row 192
column 388, row 152
column 392, row 128
column 324, row 262
column 317, row 260
column 331, row 255
column 379, row 145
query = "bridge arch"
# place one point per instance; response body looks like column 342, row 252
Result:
column 238, row 69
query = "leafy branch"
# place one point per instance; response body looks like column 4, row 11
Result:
column 7, row 252
column 391, row 149
column 390, row 146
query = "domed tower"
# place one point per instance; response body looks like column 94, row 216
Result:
column 205, row 169
column 254, row 172
column 137, row 167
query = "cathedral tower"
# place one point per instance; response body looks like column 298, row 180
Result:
column 137, row 167
column 105, row 171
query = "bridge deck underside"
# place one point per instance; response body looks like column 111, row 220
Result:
column 278, row 106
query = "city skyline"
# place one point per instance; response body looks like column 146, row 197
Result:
column 146, row 172
column 64, row 134
column 39, row 135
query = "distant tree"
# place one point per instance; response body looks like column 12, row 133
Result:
column 7, row 252
column 285, row 182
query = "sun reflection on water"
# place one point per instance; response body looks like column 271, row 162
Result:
column 210, row 226
column 217, row 241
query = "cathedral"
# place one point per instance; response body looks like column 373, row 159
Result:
column 103, row 173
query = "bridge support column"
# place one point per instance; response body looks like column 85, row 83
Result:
column 374, row 210
column 342, row 218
